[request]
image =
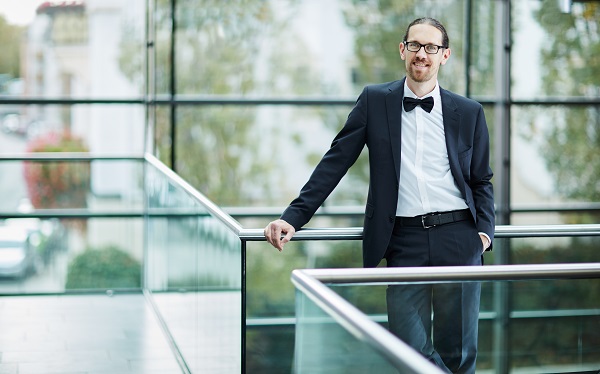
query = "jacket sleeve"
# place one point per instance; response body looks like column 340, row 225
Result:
column 481, row 175
column 344, row 150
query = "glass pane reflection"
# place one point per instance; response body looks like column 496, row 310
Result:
column 71, row 49
column 324, row 346
column 551, row 323
column 193, row 270
column 61, row 255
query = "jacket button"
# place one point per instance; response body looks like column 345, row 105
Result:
column 392, row 219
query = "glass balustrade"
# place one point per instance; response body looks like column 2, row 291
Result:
column 549, row 325
column 71, row 225
column 193, row 273
column 224, row 296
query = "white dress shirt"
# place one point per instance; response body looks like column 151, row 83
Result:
column 426, row 182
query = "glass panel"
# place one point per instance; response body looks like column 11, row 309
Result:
column 72, row 49
column 341, row 51
column 236, row 154
column 560, row 145
column 99, row 185
column 545, row 250
column 194, row 272
column 270, row 296
column 554, row 52
column 100, row 129
column 60, row 255
column 483, row 50
column 555, row 250
column 551, row 324
column 325, row 346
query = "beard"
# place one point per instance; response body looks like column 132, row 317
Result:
column 418, row 75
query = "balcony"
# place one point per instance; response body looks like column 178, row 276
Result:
column 147, row 275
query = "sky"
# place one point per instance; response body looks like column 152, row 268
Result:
column 19, row 12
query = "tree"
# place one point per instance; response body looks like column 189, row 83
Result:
column 10, row 40
column 571, row 67
column 219, row 48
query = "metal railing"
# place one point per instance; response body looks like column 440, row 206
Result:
column 312, row 283
column 253, row 235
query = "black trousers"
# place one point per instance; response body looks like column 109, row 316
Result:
column 449, row 339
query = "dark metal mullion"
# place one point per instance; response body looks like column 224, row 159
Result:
column 467, row 46
column 173, row 86
column 243, row 296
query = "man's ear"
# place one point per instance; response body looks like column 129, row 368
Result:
column 401, row 49
column 446, row 56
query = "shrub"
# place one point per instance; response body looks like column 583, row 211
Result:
column 63, row 184
column 104, row 268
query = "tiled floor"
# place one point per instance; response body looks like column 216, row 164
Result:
column 206, row 327
column 87, row 334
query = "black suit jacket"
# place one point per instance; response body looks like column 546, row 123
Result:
column 375, row 121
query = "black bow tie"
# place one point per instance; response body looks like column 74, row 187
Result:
column 411, row 103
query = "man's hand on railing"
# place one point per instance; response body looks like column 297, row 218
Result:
column 275, row 230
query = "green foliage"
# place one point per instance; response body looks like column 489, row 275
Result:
column 10, row 39
column 220, row 151
column 571, row 67
column 58, row 184
column 379, row 27
column 103, row 268
column 558, row 294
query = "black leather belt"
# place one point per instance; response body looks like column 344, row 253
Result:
column 430, row 220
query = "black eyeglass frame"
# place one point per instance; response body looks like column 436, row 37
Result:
column 424, row 46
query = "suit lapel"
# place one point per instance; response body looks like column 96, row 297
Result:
column 451, row 130
column 393, row 102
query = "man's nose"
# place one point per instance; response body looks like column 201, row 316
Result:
column 421, row 52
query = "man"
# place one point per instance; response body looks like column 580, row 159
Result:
column 430, row 200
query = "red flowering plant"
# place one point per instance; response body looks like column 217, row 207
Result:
column 57, row 184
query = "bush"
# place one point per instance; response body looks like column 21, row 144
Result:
column 63, row 184
column 104, row 268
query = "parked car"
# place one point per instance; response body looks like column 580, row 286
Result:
column 17, row 251
column 12, row 124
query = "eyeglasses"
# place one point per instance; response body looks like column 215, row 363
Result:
column 429, row 48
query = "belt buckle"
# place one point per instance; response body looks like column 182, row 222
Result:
column 423, row 221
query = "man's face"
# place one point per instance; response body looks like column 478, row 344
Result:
column 420, row 66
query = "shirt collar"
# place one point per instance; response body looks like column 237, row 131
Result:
column 435, row 93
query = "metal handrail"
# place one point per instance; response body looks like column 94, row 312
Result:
column 457, row 273
column 310, row 282
column 211, row 207
column 68, row 156
column 502, row 231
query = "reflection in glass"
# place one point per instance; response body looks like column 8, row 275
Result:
column 552, row 323
column 73, row 49
column 193, row 270
column 325, row 346
column 555, row 52
column 560, row 144
column 60, row 255
column 97, row 128
column 98, row 185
